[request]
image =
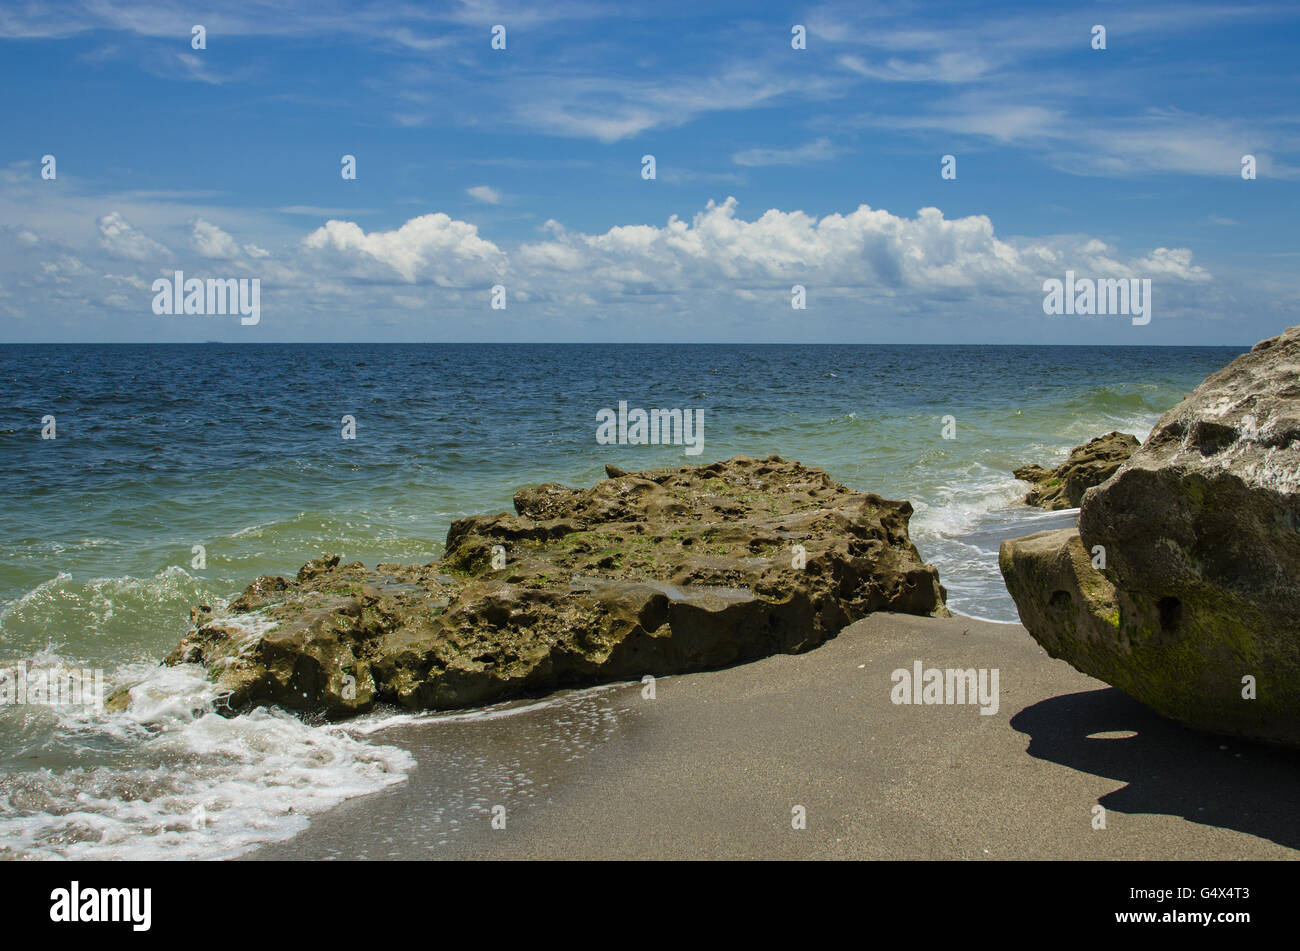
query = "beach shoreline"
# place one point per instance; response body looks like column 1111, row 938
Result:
column 715, row 765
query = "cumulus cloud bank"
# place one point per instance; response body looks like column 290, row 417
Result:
column 864, row 248
column 433, row 248
column 684, row 268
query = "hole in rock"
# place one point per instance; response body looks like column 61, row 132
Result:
column 1212, row 438
column 1171, row 613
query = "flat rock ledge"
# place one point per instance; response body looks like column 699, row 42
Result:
column 656, row 572
column 1088, row 465
column 1180, row 585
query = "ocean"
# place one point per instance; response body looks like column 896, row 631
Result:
column 178, row 473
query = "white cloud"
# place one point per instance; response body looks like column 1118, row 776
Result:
column 1155, row 141
column 484, row 193
column 380, row 22
column 197, row 69
column 819, row 151
column 960, row 66
column 1000, row 77
column 131, row 280
column 1172, row 262
column 924, row 255
column 431, row 247
column 610, row 109
column 211, row 242
column 121, row 240
column 737, row 270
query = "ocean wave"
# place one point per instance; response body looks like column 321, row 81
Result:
column 195, row 785
column 986, row 620
column 34, row 595
column 959, row 507
column 385, row 720
column 104, row 619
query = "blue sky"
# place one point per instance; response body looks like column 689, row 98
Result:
column 774, row 166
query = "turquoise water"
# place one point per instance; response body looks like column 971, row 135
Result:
column 238, row 449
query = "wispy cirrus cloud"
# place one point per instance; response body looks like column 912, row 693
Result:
column 958, row 66
column 1002, row 80
column 820, row 150
column 611, row 110
column 558, row 122
column 416, row 26
column 1152, row 140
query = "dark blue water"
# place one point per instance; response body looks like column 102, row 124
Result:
column 160, row 448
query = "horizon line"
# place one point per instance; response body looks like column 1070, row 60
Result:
column 575, row 343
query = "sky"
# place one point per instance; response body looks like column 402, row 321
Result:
column 792, row 144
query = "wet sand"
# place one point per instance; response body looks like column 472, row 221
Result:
column 713, row 766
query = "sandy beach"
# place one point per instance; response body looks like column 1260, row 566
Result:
column 713, row 766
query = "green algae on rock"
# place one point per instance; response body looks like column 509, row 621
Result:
column 1196, row 540
column 1088, row 465
column 656, row 572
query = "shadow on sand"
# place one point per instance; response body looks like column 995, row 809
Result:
column 1169, row 769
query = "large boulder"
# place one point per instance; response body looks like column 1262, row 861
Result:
column 1088, row 465
column 1182, row 583
column 656, row 572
